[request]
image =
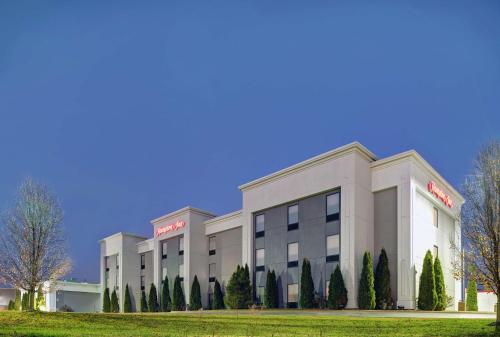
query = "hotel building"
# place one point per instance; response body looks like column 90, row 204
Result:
column 329, row 209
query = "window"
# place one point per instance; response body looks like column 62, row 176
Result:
column 259, row 225
column 181, row 245
column 332, row 248
column 106, row 263
column 143, row 261
column 211, row 245
column 164, row 250
column 436, row 251
column 143, row 282
column 117, row 286
column 181, row 272
column 293, row 295
column 163, row 273
column 293, row 254
column 293, row 217
column 117, row 262
column 211, row 272
column 333, row 207
column 435, row 216
column 259, row 259
column 327, row 288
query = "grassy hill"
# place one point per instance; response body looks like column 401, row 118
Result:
column 204, row 324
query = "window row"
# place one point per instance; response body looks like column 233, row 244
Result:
column 164, row 246
column 332, row 253
column 292, row 293
column 332, row 214
column 211, row 245
column 106, row 262
column 106, row 280
column 164, row 273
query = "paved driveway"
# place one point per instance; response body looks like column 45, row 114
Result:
column 356, row 313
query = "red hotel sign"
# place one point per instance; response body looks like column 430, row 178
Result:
column 170, row 227
column 439, row 193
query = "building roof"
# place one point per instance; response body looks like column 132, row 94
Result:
column 182, row 211
column 123, row 234
column 419, row 159
column 224, row 217
column 354, row 146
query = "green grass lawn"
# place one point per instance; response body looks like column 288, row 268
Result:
column 178, row 324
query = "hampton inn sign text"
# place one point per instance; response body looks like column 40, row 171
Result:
column 439, row 193
column 179, row 224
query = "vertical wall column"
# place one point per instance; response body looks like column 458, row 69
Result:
column 347, row 243
column 406, row 263
column 156, row 265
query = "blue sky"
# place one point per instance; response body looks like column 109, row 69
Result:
column 129, row 110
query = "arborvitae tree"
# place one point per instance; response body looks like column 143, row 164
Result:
column 195, row 295
column 306, row 286
column 25, row 302
column 247, row 287
column 440, row 287
column 383, row 297
column 178, row 299
column 127, row 304
column 276, row 291
column 218, row 301
column 271, row 291
column 40, row 298
column 427, row 296
column 115, row 306
column 239, row 289
column 17, row 301
column 233, row 295
column 471, row 299
column 11, row 305
column 366, row 291
column 153, row 299
column 166, row 302
column 144, row 303
column 106, row 301
column 337, row 292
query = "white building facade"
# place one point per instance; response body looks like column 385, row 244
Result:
column 329, row 209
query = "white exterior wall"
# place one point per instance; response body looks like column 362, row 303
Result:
column 198, row 257
column 177, row 216
column 426, row 235
column 124, row 246
column 397, row 175
column 448, row 231
column 416, row 234
column 51, row 301
column 354, row 170
column 195, row 247
column 6, row 295
column 90, row 289
column 486, row 301
column 223, row 223
column 130, row 262
column 348, row 170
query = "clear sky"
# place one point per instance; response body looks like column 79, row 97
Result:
column 129, row 110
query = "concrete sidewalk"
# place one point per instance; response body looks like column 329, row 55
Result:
column 353, row 313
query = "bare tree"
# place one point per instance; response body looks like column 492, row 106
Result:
column 32, row 243
column 481, row 221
